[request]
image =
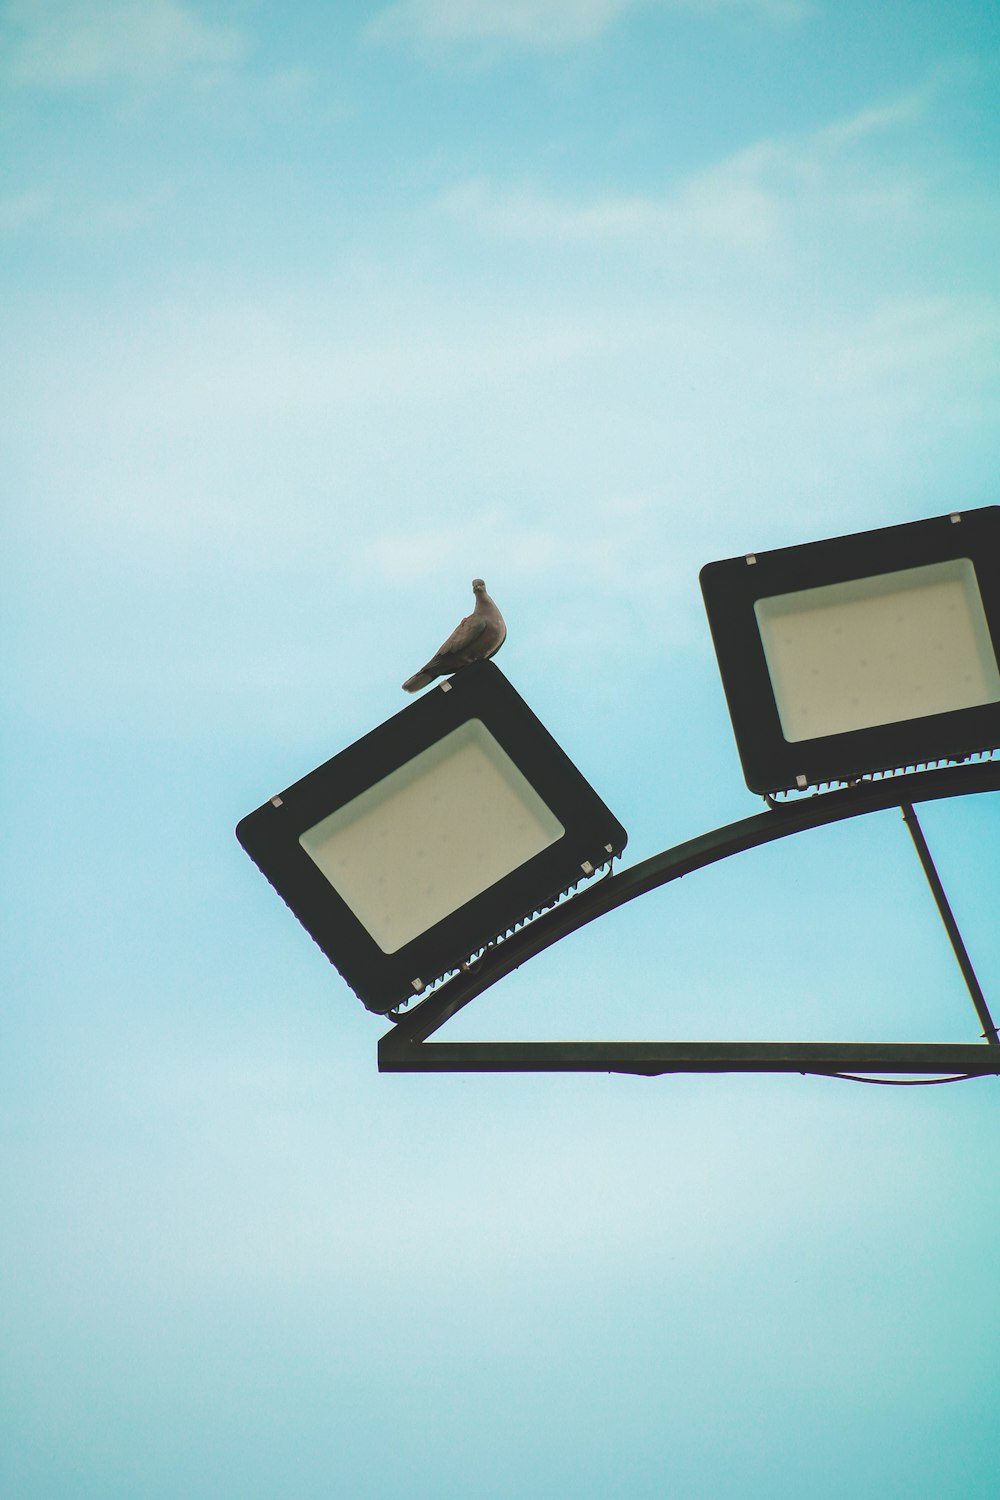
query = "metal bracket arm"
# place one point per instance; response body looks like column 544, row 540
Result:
column 406, row 1048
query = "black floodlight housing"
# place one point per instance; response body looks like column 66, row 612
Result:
column 863, row 653
column 433, row 835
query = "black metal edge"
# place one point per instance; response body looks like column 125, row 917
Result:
column 733, row 586
column 960, row 1059
column 965, row 964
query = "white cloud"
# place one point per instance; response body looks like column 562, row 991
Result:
column 19, row 210
column 745, row 202
column 74, row 220
column 875, row 119
column 58, row 44
column 542, row 23
column 539, row 23
column 912, row 351
column 725, row 207
column 599, row 436
column 608, row 552
column 588, row 460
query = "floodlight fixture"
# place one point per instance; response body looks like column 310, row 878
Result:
column 863, row 653
column 441, row 830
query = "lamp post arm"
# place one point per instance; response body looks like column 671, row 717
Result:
column 694, row 854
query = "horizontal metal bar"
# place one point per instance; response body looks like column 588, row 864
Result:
column 975, row 1059
column 595, row 900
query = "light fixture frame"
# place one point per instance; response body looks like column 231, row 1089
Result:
column 271, row 835
column 731, row 588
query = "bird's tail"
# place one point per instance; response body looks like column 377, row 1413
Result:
column 419, row 680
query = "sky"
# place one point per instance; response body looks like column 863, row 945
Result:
column 309, row 315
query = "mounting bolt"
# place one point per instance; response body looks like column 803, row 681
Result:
column 751, row 559
column 446, row 687
column 954, row 518
column 418, row 984
column 276, row 802
column 801, row 781
column 587, row 867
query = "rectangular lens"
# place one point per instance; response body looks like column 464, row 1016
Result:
column 432, row 835
column 878, row 650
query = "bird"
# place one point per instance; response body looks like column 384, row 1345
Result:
column 476, row 638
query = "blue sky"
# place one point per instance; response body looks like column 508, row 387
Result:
column 310, row 314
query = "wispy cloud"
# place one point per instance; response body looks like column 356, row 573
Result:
column 726, row 207
column 875, row 119
column 895, row 356
column 536, row 23
column 605, row 553
column 68, row 218
column 20, row 210
column 743, row 202
column 603, row 442
column 611, row 554
column 65, row 44
column 542, row 23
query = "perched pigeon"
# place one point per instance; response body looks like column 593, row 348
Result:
column 479, row 636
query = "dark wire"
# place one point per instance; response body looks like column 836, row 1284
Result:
column 902, row 1083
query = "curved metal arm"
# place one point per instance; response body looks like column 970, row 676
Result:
column 749, row 833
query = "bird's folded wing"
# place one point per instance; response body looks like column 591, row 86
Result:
column 463, row 636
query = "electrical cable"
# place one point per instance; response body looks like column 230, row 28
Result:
column 900, row 1083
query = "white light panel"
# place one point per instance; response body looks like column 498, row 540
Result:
column 878, row 650
column 431, row 835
